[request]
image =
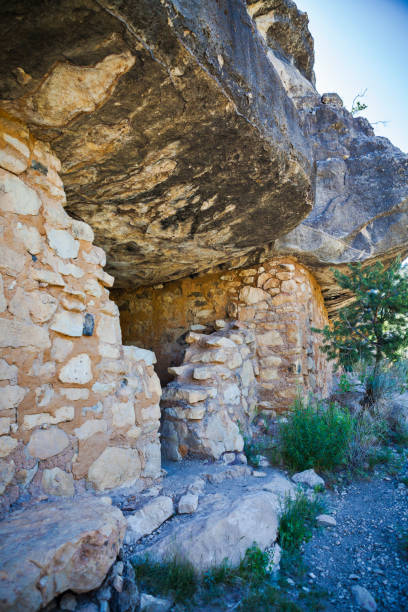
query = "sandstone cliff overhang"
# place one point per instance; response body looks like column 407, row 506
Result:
column 192, row 136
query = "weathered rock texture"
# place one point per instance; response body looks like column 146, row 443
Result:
column 147, row 104
column 279, row 301
column 214, row 392
column 74, row 403
column 51, row 548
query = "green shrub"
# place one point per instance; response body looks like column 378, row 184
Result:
column 297, row 521
column 368, row 434
column 388, row 379
column 175, row 577
column 315, row 436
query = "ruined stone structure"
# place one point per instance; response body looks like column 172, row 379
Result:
column 187, row 141
column 76, row 406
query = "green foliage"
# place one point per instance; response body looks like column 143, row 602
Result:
column 315, row 436
column 297, row 520
column 358, row 107
column 368, row 434
column 175, row 577
column 267, row 599
column 388, row 379
column 344, row 383
column 374, row 326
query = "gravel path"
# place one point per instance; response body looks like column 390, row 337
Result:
column 364, row 547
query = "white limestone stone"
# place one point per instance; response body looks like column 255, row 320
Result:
column 115, row 467
column 252, row 295
column 11, row 262
column 139, row 354
column 11, row 396
column 7, row 471
column 30, row 237
column 148, row 518
column 70, row 269
column 8, row 372
column 57, row 482
column 45, row 443
column 123, row 414
column 68, row 323
column 89, row 428
column 63, row 243
column 93, row 288
column 5, row 423
column 16, row 196
column 47, row 276
column 74, row 394
column 61, row 415
column 82, row 231
column 188, row 503
column 108, row 329
column 77, row 370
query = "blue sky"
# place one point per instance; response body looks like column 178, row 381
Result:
column 363, row 44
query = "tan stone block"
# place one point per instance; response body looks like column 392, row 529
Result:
column 106, row 279
column 75, row 305
column 77, row 370
column 123, row 414
column 115, row 467
column 11, row 262
column 288, row 286
column 55, row 214
column 283, row 298
column 269, row 338
column 262, row 279
column 45, row 443
column 61, row 348
column 47, row 276
column 41, row 305
column 284, row 275
column 11, row 396
column 70, row 269
column 18, row 305
column 57, row 482
column 269, row 374
column 89, row 449
column 151, row 413
column 92, row 287
column 16, row 196
column 133, row 433
column 271, row 360
column 68, row 323
column 272, row 283
column 252, row 295
column 61, row 415
column 108, row 330
column 7, row 445
column 91, row 427
column 12, row 160
column 30, row 238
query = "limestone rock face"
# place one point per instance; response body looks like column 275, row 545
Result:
column 50, row 548
column 221, row 528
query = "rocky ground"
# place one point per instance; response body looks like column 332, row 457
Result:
column 365, row 547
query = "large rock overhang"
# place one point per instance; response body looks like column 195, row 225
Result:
column 178, row 142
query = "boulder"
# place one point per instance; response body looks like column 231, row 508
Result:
column 148, row 518
column 325, row 520
column 308, row 478
column 51, row 548
column 222, row 528
column 363, row 598
column 188, row 503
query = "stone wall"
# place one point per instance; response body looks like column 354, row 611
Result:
column 282, row 302
column 76, row 408
column 213, row 399
column 279, row 300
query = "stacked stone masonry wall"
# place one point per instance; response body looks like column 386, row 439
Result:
column 77, row 409
column 213, row 399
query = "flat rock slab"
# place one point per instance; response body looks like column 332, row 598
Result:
column 222, row 528
column 54, row 547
